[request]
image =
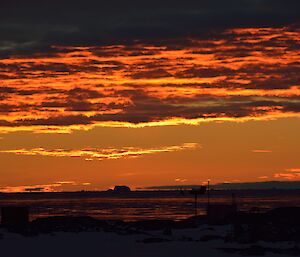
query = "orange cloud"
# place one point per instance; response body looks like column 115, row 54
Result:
column 296, row 170
column 181, row 180
column 90, row 154
column 245, row 74
column 262, row 151
column 263, row 177
column 290, row 174
column 36, row 188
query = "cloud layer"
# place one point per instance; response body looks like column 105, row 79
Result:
column 90, row 154
column 53, row 187
column 289, row 174
column 32, row 26
column 239, row 74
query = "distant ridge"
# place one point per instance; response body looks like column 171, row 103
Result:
column 243, row 185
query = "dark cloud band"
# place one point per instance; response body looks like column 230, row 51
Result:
column 33, row 26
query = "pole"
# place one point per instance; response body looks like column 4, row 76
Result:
column 196, row 205
column 208, row 194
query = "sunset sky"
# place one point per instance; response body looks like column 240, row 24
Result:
column 145, row 93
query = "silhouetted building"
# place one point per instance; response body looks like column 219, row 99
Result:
column 122, row 189
column 14, row 215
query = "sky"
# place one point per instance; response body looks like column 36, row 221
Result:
column 147, row 93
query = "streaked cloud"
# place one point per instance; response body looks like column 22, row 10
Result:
column 296, row 170
column 91, row 154
column 181, row 180
column 263, row 177
column 37, row 188
column 289, row 174
column 262, row 151
column 233, row 75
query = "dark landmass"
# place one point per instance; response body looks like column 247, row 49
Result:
column 241, row 189
column 238, row 186
column 149, row 193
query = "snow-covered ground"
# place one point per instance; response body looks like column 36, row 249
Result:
column 181, row 243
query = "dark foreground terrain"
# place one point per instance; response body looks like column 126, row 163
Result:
column 272, row 233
